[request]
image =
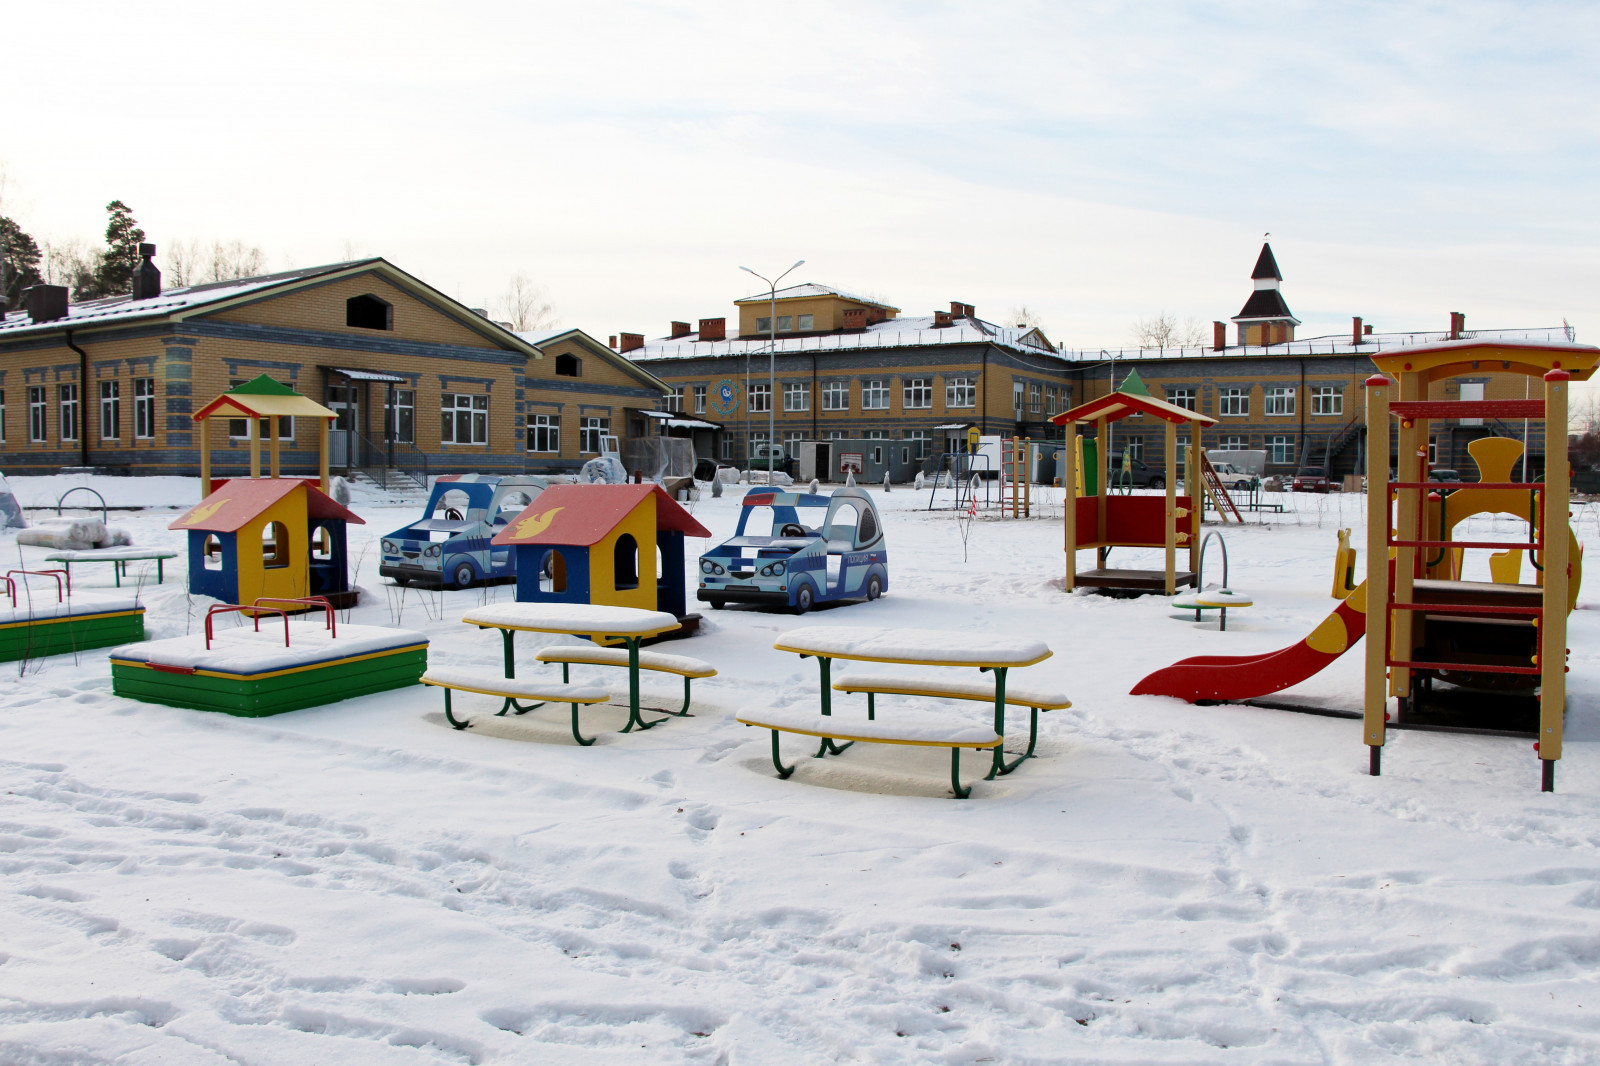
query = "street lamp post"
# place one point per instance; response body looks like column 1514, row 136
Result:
column 772, row 356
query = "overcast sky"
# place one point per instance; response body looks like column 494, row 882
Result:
column 1096, row 162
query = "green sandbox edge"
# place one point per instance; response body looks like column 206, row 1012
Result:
column 62, row 636
column 245, row 697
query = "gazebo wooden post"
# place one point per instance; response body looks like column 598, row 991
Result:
column 322, row 451
column 1409, row 524
column 1557, row 593
column 272, row 444
column 205, row 457
column 1193, row 479
column 254, row 443
column 1375, row 705
column 1069, row 492
column 1102, row 463
column 1171, row 523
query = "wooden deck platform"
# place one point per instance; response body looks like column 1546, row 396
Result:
column 1135, row 581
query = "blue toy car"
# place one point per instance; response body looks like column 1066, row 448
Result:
column 841, row 556
column 450, row 545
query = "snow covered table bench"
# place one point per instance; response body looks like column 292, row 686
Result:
column 40, row 615
column 254, row 672
column 921, row 647
column 1034, row 699
column 925, row 728
column 460, row 679
column 119, row 558
column 682, row 665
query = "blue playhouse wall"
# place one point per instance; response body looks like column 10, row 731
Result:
column 530, row 567
column 331, row 574
column 221, row 584
column 671, row 593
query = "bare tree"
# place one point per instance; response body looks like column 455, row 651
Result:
column 524, row 305
column 71, row 263
column 1024, row 318
column 1163, row 330
column 226, row 261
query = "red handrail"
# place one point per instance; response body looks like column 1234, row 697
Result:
column 228, row 608
column 57, row 574
column 309, row 601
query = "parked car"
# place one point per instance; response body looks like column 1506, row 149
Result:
column 1310, row 479
column 1441, row 474
column 450, row 544
column 1141, row 476
column 761, row 454
column 1234, row 478
column 1585, row 480
column 706, row 469
column 795, row 550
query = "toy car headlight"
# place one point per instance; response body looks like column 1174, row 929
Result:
column 431, row 551
column 776, row 568
column 389, row 547
column 707, row 566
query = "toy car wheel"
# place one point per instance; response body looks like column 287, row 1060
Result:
column 874, row 587
column 402, row 581
column 463, row 575
column 1158, row 482
column 717, row 605
column 802, row 599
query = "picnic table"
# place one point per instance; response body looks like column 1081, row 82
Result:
column 118, row 557
column 603, row 625
column 918, row 647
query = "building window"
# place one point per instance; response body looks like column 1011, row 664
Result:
column 791, row 438
column 804, row 321
column 1052, row 401
column 917, row 393
column 1033, row 399
column 69, row 412
column 1134, row 447
column 2, row 416
column 961, row 392
column 110, row 410
column 728, row 448
column 1017, row 398
column 239, row 428
column 590, row 430
column 544, row 433
column 836, row 396
column 1278, row 400
column 368, row 312
column 1233, row 444
column 402, row 421
column 763, row 325
column 1183, row 397
column 796, row 396
column 675, row 399
column 760, row 398
column 1233, row 401
column 699, row 399
column 568, row 366
column 1280, row 449
column 38, row 417
column 1327, row 400
column 757, row 438
column 785, row 323
column 144, row 408
column 875, row 395
column 833, row 434
column 919, row 440
column 466, row 418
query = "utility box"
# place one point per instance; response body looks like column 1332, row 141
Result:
column 870, row 460
column 811, row 460
column 1253, row 463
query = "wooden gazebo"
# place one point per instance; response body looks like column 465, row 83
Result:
column 255, row 400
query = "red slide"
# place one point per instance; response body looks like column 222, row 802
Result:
column 1228, row 678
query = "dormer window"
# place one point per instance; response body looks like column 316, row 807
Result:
column 568, row 366
column 368, row 312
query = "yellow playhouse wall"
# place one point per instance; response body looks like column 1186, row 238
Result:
column 255, row 578
column 641, row 525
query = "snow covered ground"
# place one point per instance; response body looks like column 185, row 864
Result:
column 358, row 883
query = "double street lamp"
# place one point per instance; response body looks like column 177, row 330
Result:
column 772, row 355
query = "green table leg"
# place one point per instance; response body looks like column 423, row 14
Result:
column 634, row 718
column 161, row 577
column 1000, row 764
column 506, row 637
column 828, row 746
column 118, row 568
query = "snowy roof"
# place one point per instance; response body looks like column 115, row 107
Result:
column 891, row 333
column 545, row 336
column 811, row 288
column 1330, row 344
column 533, row 337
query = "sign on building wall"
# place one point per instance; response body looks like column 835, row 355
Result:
column 725, row 397
column 852, row 463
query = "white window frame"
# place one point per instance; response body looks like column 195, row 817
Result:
column 144, row 408
column 700, row 399
column 1278, row 401
column 1233, row 401
column 469, row 410
column 875, row 394
column 1234, row 443
column 675, row 398
column 836, row 395
column 922, row 439
column 239, row 428
column 1034, row 404
column 1280, row 444
column 797, row 396
column 764, row 325
column 38, row 414
column 1018, row 397
column 404, row 416
column 1327, row 400
column 110, row 409
column 916, row 394
column 544, row 434
column 1184, row 396
column 760, row 397
column 961, row 392
column 71, row 411
column 1134, row 447
column 590, row 429
column 804, row 322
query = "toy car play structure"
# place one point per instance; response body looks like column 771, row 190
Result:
column 796, row 565
column 450, row 545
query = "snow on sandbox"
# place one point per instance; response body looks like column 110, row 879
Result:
column 359, row 883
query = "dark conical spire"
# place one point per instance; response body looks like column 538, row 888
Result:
column 1266, row 266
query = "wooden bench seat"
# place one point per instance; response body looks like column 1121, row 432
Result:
column 684, row 666
column 924, row 728
column 511, row 689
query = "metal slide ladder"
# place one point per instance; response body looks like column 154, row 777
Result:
column 1219, row 494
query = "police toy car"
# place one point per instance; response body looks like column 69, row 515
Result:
column 450, row 545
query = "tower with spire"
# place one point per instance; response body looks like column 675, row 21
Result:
column 1265, row 317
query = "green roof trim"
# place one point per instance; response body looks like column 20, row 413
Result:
column 263, row 386
column 1134, row 385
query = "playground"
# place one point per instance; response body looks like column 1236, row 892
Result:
column 360, row 882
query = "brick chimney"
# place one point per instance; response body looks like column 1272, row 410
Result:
column 855, row 318
column 146, row 279
column 45, row 303
column 1366, row 331
column 957, row 307
column 1458, row 325
column 1355, row 330
column 713, row 329
column 630, row 341
column 613, row 342
column 942, row 319
column 679, row 329
column 969, row 310
column 1219, row 336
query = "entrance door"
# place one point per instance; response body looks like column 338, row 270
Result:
column 343, row 401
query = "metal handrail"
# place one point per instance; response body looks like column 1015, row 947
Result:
column 57, row 574
column 104, row 515
column 415, row 464
column 308, row 601
column 229, row 608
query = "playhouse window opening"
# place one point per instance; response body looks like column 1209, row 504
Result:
column 626, row 563
column 552, row 572
column 368, row 312
column 211, row 552
column 322, row 545
column 511, row 505
column 274, row 545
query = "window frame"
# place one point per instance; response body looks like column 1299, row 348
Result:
column 875, row 389
column 916, row 394
column 1184, row 396
column 760, row 397
column 591, row 430
column 836, row 395
column 473, row 413
column 1281, row 397
column 545, row 429
column 699, row 399
column 797, row 396
column 144, row 408
column 1280, row 444
column 1233, row 396
column 38, row 414
column 70, row 411
column 110, row 409
column 1321, row 395
column 961, row 391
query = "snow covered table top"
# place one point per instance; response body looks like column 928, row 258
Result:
column 126, row 552
column 581, row 619
column 37, row 604
column 245, row 651
column 927, row 647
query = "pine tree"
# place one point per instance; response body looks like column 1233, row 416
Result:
column 19, row 263
column 121, row 257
